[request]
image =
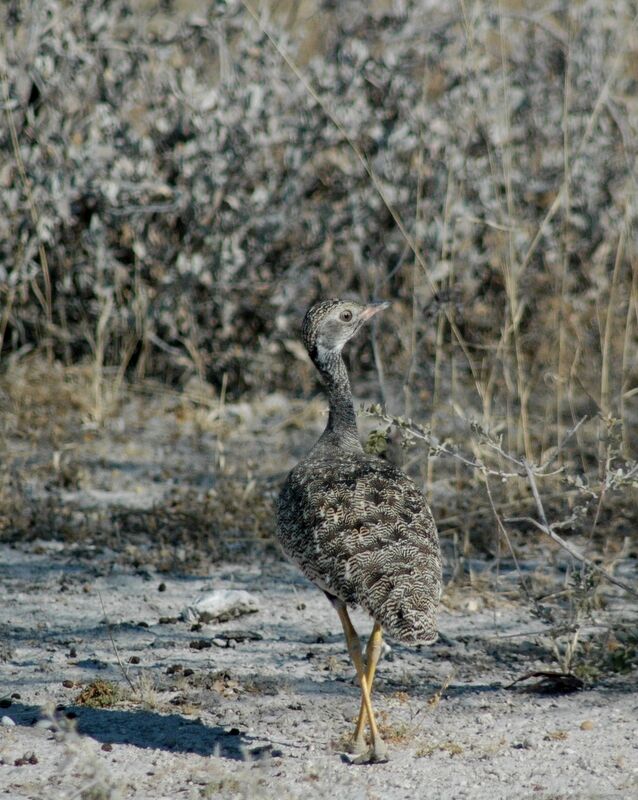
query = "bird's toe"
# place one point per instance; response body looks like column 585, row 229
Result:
column 377, row 754
column 357, row 746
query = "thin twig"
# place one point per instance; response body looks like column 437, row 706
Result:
column 571, row 432
column 541, row 469
column 116, row 651
column 442, row 449
column 544, row 526
column 575, row 553
column 505, row 535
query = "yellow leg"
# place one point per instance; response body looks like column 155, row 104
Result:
column 378, row 751
column 373, row 651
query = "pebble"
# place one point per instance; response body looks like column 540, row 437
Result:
column 525, row 744
column 220, row 605
column 7, row 722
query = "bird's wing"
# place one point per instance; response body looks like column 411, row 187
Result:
column 363, row 531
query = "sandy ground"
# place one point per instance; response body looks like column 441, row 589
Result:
column 260, row 706
column 264, row 716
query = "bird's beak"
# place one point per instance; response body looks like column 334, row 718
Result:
column 372, row 309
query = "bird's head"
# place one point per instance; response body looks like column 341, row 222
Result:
column 328, row 325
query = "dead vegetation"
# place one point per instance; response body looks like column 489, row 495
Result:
column 160, row 192
column 99, row 694
column 181, row 180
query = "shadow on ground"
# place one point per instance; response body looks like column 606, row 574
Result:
column 148, row 730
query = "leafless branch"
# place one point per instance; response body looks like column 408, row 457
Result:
column 544, row 526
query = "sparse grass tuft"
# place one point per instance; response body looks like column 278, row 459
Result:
column 447, row 746
column 99, row 694
column 394, row 732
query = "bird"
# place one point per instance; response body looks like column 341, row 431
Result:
column 356, row 525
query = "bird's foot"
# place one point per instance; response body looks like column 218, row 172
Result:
column 357, row 746
column 377, row 754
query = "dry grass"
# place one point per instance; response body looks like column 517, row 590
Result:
column 448, row 746
column 99, row 694
column 473, row 164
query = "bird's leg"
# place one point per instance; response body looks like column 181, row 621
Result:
column 373, row 651
column 378, row 751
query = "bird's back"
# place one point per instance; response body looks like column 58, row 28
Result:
column 361, row 530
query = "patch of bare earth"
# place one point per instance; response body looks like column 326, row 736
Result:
column 108, row 533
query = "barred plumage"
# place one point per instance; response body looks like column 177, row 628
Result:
column 355, row 524
column 360, row 529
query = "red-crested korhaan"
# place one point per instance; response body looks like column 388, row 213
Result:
column 356, row 525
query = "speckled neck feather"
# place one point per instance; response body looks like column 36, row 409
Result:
column 341, row 430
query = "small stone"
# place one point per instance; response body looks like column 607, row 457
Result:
column 200, row 644
column 221, row 605
column 7, row 722
column 107, row 747
column 27, row 758
column 587, row 725
column 161, row 587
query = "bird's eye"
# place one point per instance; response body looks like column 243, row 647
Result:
column 345, row 316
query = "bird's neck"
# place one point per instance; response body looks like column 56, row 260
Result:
column 341, row 430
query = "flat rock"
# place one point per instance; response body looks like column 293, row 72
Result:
column 220, row 606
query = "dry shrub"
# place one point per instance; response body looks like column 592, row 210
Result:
column 192, row 198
